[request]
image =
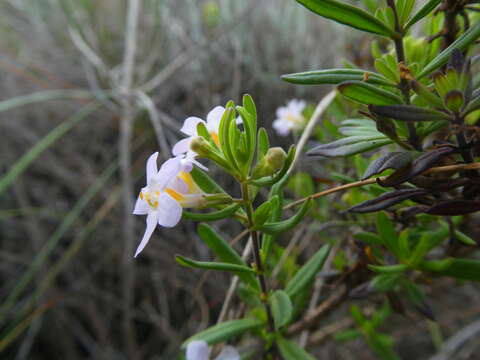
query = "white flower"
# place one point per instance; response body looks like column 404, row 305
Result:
column 199, row 350
column 168, row 190
column 189, row 128
column 289, row 117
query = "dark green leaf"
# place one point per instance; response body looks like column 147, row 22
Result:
column 350, row 145
column 348, row 15
column 386, row 200
column 454, row 207
column 210, row 265
column 391, row 160
column 336, row 76
column 408, row 113
column 368, row 94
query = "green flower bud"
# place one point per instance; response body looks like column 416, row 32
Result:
column 270, row 163
column 201, row 146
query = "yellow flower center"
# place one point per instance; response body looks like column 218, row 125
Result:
column 215, row 138
column 295, row 119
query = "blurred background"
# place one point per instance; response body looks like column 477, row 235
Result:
column 88, row 90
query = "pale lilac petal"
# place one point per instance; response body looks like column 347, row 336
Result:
column 179, row 186
column 282, row 111
column 169, row 211
column 214, row 117
column 238, row 120
column 182, row 146
column 198, row 350
column 168, row 172
column 151, row 224
column 296, row 106
column 152, row 168
column 190, row 125
column 141, row 207
column 228, row 353
column 282, row 126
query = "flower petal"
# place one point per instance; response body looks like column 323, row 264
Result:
column 182, row 146
column 190, row 125
column 198, row 350
column 151, row 224
column 282, row 126
column 169, row 211
column 214, row 117
column 168, row 172
column 296, row 106
column 228, row 353
column 141, row 207
column 152, row 168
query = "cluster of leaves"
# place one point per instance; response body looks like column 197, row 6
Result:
column 417, row 109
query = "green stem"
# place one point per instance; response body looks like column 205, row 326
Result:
column 404, row 85
column 256, row 255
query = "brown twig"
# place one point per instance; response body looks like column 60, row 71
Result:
column 439, row 169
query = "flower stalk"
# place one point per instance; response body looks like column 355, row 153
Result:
column 256, row 255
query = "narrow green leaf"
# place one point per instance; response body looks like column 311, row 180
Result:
column 336, row 76
column 276, row 228
column 348, row 15
column 466, row 39
column 263, row 143
column 390, row 269
column 205, row 182
column 263, row 212
column 463, row 269
column 224, row 213
column 281, row 308
column 368, row 94
column 210, row 265
column 224, row 251
column 385, row 282
column 369, row 238
column 224, row 331
column 350, row 145
column 422, row 12
column 427, row 242
column 464, row 238
column 307, row 272
column 291, row 351
column 387, row 232
column 347, row 335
